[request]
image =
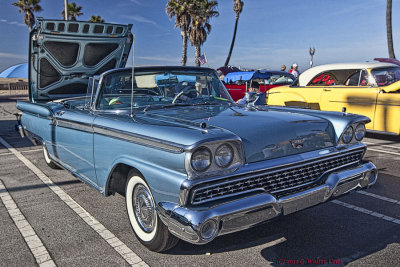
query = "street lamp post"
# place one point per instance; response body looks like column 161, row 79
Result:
column 312, row 52
column 65, row 9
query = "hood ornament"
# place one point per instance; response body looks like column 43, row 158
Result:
column 297, row 143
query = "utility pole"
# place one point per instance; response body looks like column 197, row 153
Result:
column 312, row 52
column 65, row 9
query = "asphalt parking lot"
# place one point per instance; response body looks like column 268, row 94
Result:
column 49, row 217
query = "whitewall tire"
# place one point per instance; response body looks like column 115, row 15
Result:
column 141, row 209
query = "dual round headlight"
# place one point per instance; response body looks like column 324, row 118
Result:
column 224, row 155
column 202, row 158
column 348, row 135
column 359, row 132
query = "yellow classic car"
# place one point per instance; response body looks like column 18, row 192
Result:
column 369, row 88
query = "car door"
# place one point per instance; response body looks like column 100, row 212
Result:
column 356, row 96
column 73, row 142
column 237, row 91
column 387, row 112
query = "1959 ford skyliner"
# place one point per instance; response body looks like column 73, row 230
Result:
column 191, row 163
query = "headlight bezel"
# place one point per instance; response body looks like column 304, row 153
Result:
column 354, row 140
column 214, row 169
column 200, row 150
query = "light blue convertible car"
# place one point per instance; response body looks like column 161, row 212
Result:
column 191, row 163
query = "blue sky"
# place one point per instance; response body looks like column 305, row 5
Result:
column 270, row 33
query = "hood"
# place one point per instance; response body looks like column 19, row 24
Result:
column 265, row 134
column 65, row 54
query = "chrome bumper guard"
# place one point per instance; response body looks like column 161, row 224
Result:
column 200, row 226
column 18, row 127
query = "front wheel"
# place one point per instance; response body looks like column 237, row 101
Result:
column 146, row 224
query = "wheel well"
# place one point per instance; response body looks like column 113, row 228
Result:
column 117, row 179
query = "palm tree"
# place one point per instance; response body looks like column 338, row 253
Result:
column 389, row 28
column 73, row 11
column 28, row 7
column 181, row 10
column 96, row 19
column 202, row 12
column 237, row 8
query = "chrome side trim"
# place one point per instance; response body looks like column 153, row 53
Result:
column 130, row 137
column 139, row 139
column 79, row 126
column 365, row 103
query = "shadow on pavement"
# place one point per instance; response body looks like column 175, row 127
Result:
column 386, row 137
column 36, row 186
column 321, row 233
column 11, row 136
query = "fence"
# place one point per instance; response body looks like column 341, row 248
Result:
column 12, row 87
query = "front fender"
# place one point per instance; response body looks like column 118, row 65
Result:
column 339, row 120
column 164, row 183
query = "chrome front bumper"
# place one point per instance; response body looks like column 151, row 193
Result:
column 189, row 223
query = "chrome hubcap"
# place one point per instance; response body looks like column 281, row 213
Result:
column 144, row 208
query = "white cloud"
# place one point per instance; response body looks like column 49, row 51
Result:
column 161, row 59
column 141, row 19
column 12, row 22
column 137, row 2
column 15, row 56
column 16, row 23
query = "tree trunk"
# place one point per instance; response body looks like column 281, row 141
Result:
column 233, row 42
column 389, row 28
column 184, row 48
column 197, row 55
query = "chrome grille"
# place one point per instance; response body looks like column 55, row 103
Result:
column 277, row 181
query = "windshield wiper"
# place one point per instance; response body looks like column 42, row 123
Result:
column 152, row 107
column 206, row 103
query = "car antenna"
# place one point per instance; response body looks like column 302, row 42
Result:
column 133, row 71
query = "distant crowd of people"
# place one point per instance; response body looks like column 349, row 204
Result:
column 293, row 70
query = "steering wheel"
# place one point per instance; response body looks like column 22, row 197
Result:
column 115, row 101
column 183, row 92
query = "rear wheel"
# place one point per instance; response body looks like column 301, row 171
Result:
column 49, row 162
column 146, row 224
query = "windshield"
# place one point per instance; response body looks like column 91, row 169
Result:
column 160, row 89
column 386, row 76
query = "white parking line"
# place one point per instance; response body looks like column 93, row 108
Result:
column 365, row 211
column 383, row 151
column 34, row 243
column 394, row 201
column 22, row 151
column 378, row 144
column 110, row 238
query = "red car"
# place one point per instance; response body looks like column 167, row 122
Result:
column 238, row 82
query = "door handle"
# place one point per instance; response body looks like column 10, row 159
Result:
column 326, row 90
